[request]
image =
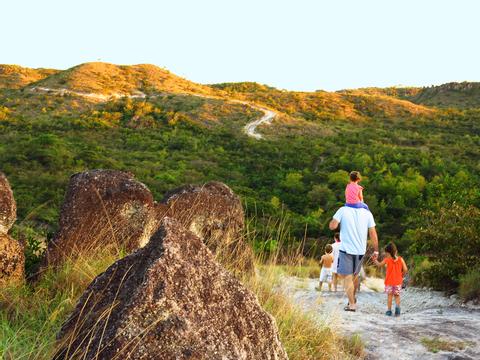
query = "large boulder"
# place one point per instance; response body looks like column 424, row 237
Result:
column 215, row 214
column 12, row 258
column 8, row 207
column 12, row 261
column 169, row 300
column 102, row 208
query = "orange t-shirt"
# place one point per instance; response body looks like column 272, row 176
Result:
column 394, row 271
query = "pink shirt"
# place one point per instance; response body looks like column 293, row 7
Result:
column 353, row 193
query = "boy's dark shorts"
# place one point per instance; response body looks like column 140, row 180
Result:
column 349, row 264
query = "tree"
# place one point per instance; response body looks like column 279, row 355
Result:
column 450, row 239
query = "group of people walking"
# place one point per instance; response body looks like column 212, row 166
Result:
column 344, row 258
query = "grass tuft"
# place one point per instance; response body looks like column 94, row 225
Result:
column 436, row 344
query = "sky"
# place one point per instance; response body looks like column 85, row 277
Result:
column 296, row 45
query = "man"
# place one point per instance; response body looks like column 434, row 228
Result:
column 356, row 225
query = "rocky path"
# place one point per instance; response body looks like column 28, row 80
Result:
column 427, row 315
column 250, row 128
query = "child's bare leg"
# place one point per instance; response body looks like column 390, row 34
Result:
column 389, row 301
column 397, row 300
column 320, row 285
column 330, row 286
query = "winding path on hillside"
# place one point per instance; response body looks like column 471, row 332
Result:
column 250, row 128
column 426, row 315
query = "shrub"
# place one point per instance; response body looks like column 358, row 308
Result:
column 450, row 240
column 470, row 285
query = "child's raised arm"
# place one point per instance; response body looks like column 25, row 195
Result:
column 321, row 260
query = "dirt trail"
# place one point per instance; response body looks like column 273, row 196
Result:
column 250, row 129
column 426, row 315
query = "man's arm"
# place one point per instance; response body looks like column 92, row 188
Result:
column 333, row 224
column 372, row 233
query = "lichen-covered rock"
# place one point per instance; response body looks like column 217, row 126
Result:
column 8, row 207
column 12, row 260
column 169, row 300
column 102, row 208
column 215, row 214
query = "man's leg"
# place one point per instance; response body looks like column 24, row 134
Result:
column 350, row 290
column 356, row 283
column 335, row 281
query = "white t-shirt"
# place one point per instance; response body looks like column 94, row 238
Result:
column 335, row 252
column 354, row 225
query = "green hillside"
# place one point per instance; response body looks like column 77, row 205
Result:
column 465, row 95
column 414, row 158
column 323, row 105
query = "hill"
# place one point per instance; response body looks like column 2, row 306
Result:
column 110, row 79
column 323, row 105
column 464, row 95
column 16, row 77
column 398, row 92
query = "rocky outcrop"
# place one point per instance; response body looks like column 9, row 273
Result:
column 12, row 258
column 102, row 208
column 169, row 300
column 215, row 214
column 8, row 207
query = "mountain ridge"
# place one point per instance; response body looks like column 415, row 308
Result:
column 102, row 81
column 15, row 76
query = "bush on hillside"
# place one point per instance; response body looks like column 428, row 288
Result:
column 450, row 240
column 470, row 285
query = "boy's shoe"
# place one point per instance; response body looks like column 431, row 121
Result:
column 397, row 311
column 389, row 313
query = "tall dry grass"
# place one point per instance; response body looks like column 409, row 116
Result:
column 31, row 315
column 304, row 336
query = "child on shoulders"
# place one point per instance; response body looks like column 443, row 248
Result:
column 354, row 192
column 396, row 270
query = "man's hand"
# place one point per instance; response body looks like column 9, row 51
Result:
column 333, row 224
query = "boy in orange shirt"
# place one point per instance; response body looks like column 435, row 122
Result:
column 396, row 269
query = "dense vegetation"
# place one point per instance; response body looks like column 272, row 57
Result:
column 417, row 162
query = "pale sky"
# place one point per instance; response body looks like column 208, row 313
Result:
column 296, row 45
